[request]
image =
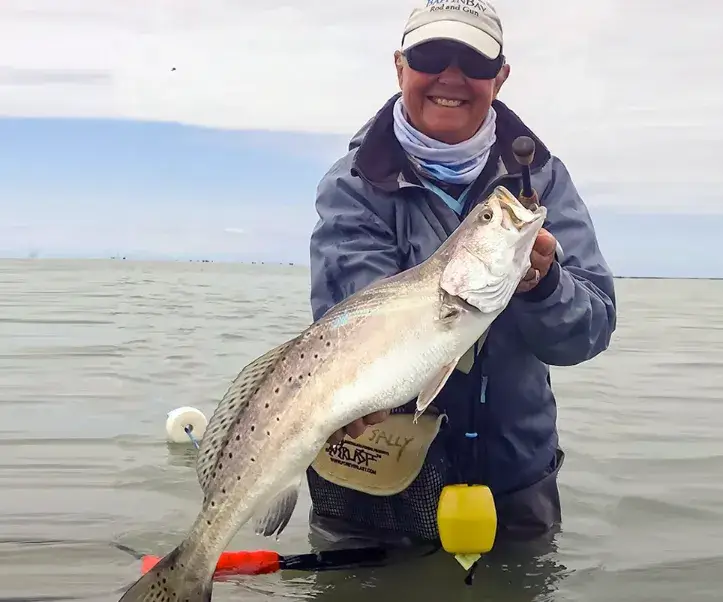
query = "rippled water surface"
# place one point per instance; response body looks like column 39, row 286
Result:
column 93, row 354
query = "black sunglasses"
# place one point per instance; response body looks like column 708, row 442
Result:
column 435, row 56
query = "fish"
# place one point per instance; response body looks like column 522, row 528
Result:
column 397, row 339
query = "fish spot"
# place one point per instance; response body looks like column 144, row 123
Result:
column 268, row 433
column 266, row 405
column 253, row 459
column 238, row 477
column 328, row 343
column 253, row 428
column 290, row 379
column 278, row 419
column 238, row 437
column 276, row 390
column 316, row 356
column 208, row 522
column 230, row 455
column 302, row 356
column 213, row 504
column 220, row 466
column 223, row 491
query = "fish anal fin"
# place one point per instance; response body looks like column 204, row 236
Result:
column 234, row 404
column 427, row 395
column 278, row 514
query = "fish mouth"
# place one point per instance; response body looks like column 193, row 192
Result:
column 516, row 215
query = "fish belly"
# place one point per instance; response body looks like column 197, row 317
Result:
column 397, row 375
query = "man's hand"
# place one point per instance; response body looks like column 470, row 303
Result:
column 357, row 428
column 541, row 258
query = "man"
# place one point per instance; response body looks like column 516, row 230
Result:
column 411, row 175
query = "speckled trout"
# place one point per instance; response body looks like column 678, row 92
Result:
column 395, row 340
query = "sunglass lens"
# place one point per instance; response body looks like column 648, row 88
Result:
column 429, row 59
column 476, row 66
column 435, row 57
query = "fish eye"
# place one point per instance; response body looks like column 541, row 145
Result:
column 487, row 215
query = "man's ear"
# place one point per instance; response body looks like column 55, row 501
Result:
column 501, row 78
column 399, row 65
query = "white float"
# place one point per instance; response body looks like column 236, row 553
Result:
column 180, row 419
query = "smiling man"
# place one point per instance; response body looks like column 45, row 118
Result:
column 411, row 175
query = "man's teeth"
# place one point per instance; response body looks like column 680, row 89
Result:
column 446, row 102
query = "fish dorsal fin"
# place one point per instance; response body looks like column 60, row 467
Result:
column 233, row 404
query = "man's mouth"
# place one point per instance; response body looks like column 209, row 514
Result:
column 446, row 102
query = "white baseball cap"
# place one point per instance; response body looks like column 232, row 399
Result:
column 471, row 22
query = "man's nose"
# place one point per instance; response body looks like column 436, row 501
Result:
column 452, row 74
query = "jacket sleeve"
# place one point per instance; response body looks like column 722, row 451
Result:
column 351, row 245
column 570, row 316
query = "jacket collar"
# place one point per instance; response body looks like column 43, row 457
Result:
column 380, row 159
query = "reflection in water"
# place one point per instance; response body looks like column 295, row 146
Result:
column 513, row 571
column 182, row 455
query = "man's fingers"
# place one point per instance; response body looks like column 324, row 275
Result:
column 337, row 437
column 357, row 428
column 545, row 244
column 529, row 280
column 540, row 261
column 532, row 275
column 376, row 417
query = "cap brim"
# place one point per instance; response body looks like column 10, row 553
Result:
column 456, row 31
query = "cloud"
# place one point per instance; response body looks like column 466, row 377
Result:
column 323, row 65
column 624, row 92
column 10, row 76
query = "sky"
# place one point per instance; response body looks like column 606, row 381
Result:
column 105, row 149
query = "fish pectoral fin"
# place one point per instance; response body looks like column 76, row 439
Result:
column 427, row 395
column 279, row 512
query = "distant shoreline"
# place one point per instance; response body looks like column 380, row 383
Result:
column 159, row 260
column 271, row 264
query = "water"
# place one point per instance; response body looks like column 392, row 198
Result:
column 94, row 353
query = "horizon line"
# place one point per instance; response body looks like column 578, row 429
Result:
column 296, row 264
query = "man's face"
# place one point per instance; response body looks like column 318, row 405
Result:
column 448, row 106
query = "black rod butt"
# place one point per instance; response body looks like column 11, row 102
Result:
column 524, row 150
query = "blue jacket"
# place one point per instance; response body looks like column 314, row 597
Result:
column 376, row 218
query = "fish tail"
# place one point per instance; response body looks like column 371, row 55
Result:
column 171, row 580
